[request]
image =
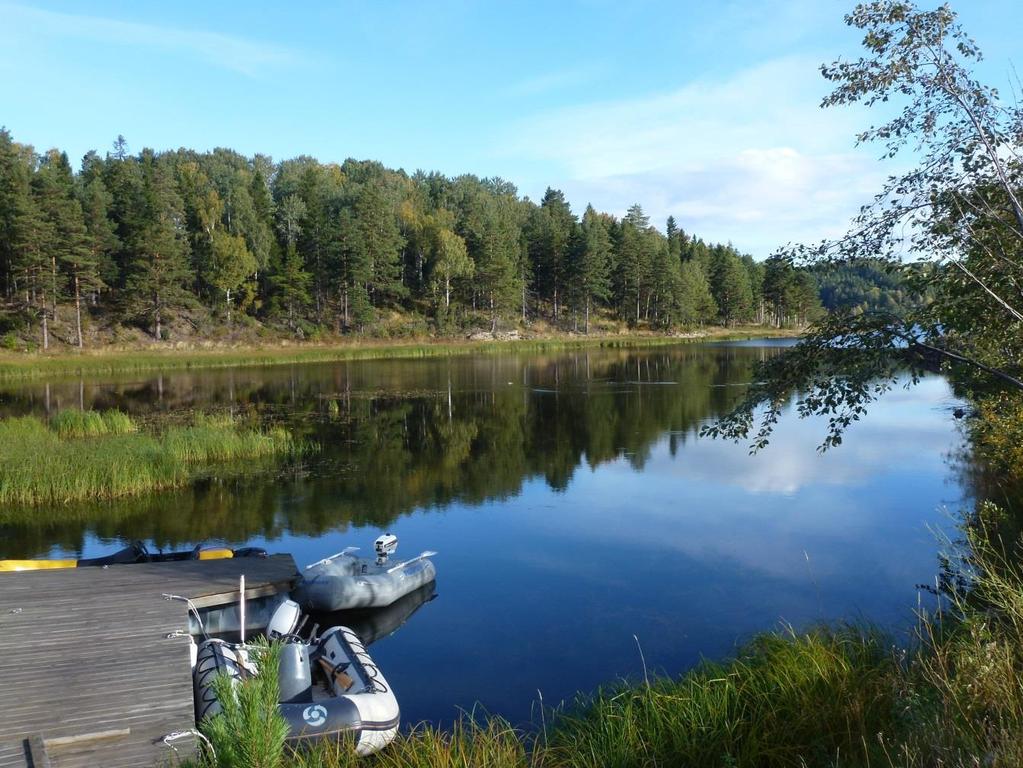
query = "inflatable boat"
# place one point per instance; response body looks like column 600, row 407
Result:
column 134, row 553
column 344, row 581
column 329, row 686
column 372, row 624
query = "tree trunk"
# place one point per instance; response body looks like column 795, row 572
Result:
column 78, row 312
column 53, row 285
column 46, row 332
column 587, row 325
column 493, row 314
column 157, row 325
column 447, row 292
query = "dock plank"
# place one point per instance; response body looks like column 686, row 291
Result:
column 85, row 653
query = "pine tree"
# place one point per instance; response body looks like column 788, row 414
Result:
column 33, row 237
column 731, row 287
column 289, row 287
column 71, row 257
column 667, row 290
column 103, row 242
column 377, row 237
column 550, row 243
column 158, row 270
column 592, row 263
column 13, row 184
column 697, row 303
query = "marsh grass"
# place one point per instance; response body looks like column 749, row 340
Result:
column 77, row 457
column 73, row 424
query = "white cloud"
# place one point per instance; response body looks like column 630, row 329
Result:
column 750, row 158
column 237, row 54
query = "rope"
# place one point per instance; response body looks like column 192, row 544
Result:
column 360, row 654
column 178, row 735
column 192, row 608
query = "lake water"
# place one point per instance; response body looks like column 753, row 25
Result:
column 576, row 514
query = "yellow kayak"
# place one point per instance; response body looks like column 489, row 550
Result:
column 136, row 553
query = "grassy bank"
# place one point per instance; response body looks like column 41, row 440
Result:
column 15, row 366
column 841, row 696
column 77, row 456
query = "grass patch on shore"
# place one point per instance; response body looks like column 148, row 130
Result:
column 840, row 697
column 15, row 366
column 77, row 456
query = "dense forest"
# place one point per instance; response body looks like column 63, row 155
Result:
column 210, row 241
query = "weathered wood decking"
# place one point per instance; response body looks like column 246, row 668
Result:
column 88, row 676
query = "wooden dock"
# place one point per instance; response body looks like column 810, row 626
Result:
column 88, row 674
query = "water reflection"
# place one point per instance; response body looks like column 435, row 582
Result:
column 395, row 437
column 570, row 501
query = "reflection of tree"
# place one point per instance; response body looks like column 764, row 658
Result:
column 399, row 436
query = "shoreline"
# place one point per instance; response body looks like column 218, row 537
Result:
column 113, row 360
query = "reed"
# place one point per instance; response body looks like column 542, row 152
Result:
column 785, row 700
column 73, row 424
column 77, row 457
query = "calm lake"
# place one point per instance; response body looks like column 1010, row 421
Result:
column 573, row 507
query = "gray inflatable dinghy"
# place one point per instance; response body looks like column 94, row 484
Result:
column 344, row 581
column 329, row 686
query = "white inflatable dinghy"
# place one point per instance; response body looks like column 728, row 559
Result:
column 329, row 686
column 344, row 581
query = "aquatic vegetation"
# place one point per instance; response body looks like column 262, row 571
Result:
column 103, row 455
column 71, row 423
column 785, row 700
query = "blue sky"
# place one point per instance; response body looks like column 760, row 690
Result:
column 705, row 110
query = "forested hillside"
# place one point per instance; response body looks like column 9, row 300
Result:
column 868, row 285
column 194, row 243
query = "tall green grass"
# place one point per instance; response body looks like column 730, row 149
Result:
column 786, row 700
column 81, row 456
column 71, row 424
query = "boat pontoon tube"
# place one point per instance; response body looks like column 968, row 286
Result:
column 351, row 696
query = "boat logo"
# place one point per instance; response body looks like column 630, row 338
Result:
column 316, row 715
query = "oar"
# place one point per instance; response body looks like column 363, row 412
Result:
column 344, row 680
column 415, row 559
column 324, row 561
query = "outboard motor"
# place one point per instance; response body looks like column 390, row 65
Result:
column 294, row 674
column 385, row 545
column 285, row 620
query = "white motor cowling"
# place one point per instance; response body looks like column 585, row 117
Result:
column 385, row 546
column 285, row 620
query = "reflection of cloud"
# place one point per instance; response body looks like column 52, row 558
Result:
column 789, row 510
column 222, row 50
column 750, row 157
